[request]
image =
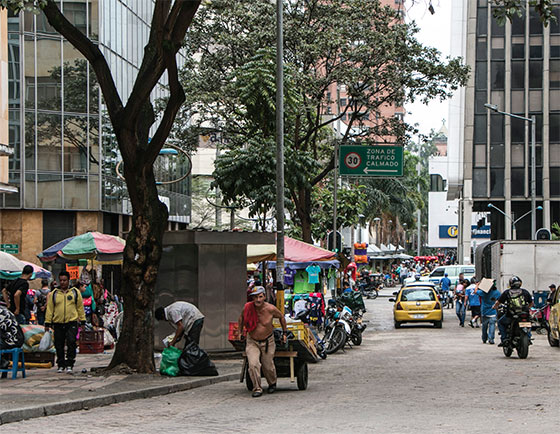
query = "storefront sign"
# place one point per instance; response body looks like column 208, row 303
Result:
column 451, row 231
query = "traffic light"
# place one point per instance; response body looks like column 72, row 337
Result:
column 338, row 247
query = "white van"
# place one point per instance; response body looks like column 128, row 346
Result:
column 453, row 272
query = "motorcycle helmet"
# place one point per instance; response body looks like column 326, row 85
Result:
column 331, row 303
column 515, row 282
column 417, row 276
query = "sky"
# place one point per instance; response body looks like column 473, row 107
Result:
column 435, row 32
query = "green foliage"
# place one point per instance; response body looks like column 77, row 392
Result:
column 229, row 79
column 555, row 231
column 23, row 5
column 351, row 201
column 507, row 9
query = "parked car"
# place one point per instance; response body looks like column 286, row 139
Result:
column 453, row 272
column 554, row 321
column 417, row 304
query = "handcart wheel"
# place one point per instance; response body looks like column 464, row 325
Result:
column 248, row 381
column 302, row 376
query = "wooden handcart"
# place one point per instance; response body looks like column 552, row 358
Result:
column 290, row 362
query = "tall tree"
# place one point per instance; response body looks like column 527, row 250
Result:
column 131, row 123
column 359, row 44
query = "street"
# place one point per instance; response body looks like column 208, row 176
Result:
column 414, row 380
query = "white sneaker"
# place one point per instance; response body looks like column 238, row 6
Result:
column 60, row 370
column 69, row 370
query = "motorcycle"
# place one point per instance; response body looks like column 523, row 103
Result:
column 336, row 329
column 518, row 335
column 303, row 316
column 356, row 325
column 368, row 289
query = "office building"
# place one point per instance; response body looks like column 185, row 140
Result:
column 64, row 153
column 517, row 68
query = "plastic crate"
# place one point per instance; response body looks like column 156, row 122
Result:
column 91, row 341
column 91, row 347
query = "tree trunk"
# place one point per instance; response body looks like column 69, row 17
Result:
column 303, row 211
column 142, row 256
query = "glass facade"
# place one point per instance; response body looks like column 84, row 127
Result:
column 65, row 153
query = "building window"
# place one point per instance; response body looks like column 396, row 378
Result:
column 535, row 74
column 480, row 129
column 498, row 75
column 497, row 155
column 517, row 74
column 480, row 75
column 342, row 102
column 517, row 156
column 481, row 49
column 437, row 183
column 555, row 74
column 535, row 52
column 535, row 24
column 496, row 182
column 479, row 183
column 480, row 155
column 555, row 181
column 496, row 129
column 518, row 182
column 518, row 51
column 480, row 100
column 482, row 21
column 497, row 29
column 555, row 154
column 518, row 25
column 498, row 48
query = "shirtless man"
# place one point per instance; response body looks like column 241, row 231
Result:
column 257, row 319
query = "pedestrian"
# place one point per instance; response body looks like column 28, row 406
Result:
column 489, row 314
column 15, row 295
column 11, row 335
column 186, row 318
column 260, row 347
column 41, row 301
column 446, row 286
column 473, row 302
column 65, row 310
column 460, row 302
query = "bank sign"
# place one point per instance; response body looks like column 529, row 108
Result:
column 371, row 160
column 451, row 231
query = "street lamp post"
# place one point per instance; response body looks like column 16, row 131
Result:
column 377, row 220
column 514, row 222
column 533, row 120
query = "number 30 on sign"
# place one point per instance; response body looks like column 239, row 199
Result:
column 353, row 160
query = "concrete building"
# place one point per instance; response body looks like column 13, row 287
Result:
column 443, row 213
column 517, row 68
column 64, row 154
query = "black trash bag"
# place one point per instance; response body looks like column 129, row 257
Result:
column 194, row 362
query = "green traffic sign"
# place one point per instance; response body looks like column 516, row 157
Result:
column 10, row 248
column 371, row 160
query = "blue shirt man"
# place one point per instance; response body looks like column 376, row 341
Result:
column 487, row 300
column 445, row 283
column 472, row 294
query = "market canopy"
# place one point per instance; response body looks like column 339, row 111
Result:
column 91, row 245
column 294, row 251
column 10, row 263
column 38, row 272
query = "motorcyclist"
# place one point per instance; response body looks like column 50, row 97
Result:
column 515, row 299
column 417, row 277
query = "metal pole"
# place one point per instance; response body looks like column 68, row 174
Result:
column 418, row 213
column 533, row 177
column 335, row 235
column 279, row 155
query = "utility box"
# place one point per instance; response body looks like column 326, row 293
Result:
column 209, row 270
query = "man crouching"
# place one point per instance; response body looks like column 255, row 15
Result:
column 257, row 318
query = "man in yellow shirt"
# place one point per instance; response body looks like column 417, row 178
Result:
column 65, row 309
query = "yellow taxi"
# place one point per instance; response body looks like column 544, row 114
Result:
column 417, row 303
column 554, row 320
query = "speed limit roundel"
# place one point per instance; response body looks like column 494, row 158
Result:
column 353, row 160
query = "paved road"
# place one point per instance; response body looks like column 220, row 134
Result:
column 412, row 380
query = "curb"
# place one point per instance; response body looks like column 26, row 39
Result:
column 19, row 414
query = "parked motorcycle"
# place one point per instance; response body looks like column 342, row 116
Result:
column 337, row 330
column 518, row 335
column 539, row 323
column 303, row 316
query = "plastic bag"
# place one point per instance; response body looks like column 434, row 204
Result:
column 195, row 362
column 46, row 342
column 169, row 358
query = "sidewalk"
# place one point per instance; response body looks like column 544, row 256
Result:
column 44, row 392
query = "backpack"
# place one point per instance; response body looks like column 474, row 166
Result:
column 516, row 301
column 74, row 290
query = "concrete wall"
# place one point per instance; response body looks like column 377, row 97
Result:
column 24, row 228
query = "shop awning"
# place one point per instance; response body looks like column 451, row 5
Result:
column 294, row 251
